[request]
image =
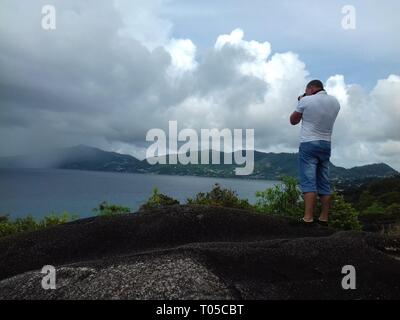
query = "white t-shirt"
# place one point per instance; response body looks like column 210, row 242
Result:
column 319, row 114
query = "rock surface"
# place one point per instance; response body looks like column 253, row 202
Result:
column 198, row 252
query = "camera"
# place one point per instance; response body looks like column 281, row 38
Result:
column 299, row 98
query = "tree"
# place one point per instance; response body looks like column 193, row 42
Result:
column 221, row 197
column 342, row 215
column 281, row 199
column 105, row 209
column 54, row 219
column 375, row 208
column 158, row 200
column 286, row 200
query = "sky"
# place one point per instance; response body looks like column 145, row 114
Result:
column 111, row 70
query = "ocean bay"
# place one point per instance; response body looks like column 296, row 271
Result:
column 41, row 191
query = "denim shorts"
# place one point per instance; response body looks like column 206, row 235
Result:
column 314, row 167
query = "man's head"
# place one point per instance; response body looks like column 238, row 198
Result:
column 313, row 87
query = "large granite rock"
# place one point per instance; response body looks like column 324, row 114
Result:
column 197, row 252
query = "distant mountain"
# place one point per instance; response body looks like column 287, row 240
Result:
column 367, row 172
column 269, row 166
column 79, row 158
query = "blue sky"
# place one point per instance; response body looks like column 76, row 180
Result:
column 309, row 28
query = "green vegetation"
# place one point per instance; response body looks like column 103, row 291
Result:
column 281, row 199
column 28, row 224
column 158, row 200
column 393, row 209
column 216, row 197
column 222, row 198
column 394, row 230
column 108, row 210
column 374, row 208
column 381, row 196
column 343, row 216
column 286, row 200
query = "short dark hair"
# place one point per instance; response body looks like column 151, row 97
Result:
column 315, row 83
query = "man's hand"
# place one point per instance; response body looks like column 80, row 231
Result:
column 295, row 118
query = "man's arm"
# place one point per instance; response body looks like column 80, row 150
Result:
column 295, row 118
column 297, row 115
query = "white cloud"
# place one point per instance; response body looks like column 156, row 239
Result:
column 260, row 51
column 336, row 86
column 367, row 128
column 79, row 85
column 143, row 22
column 183, row 54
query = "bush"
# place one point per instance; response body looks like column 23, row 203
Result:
column 286, row 200
column 394, row 230
column 375, row 208
column 342, row 215
column 107, row 210
column 281, row 199
column 393, row 209
column 222, row 198
column 4, row 218
column 26, row 224
column 7, row 229
column 365, row 200
column 29, row 224
column 55, row 219
column 158, row 200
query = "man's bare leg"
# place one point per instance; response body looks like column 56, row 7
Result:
column 326, row 205
column 310, row 200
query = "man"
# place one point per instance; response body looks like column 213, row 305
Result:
column 318, row 111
